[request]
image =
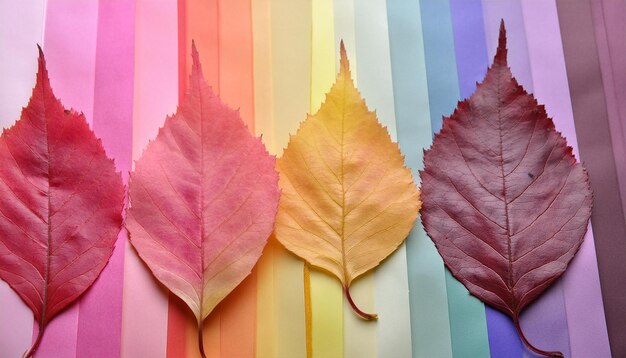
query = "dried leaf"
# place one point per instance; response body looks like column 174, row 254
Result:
column 203, row 200
column 62, row 205
column 505, row 201
column 347, row 199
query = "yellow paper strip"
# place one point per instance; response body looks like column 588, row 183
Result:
column 326, row 291
column 359, row 336
column 291, row 65
column 262, row 55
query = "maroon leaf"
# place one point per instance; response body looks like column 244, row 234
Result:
column 504, row 199
column 61, row 207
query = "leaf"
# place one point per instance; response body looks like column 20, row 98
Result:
column 203, row 199
column 347, row 199
column 505, row 201
column 62, row 205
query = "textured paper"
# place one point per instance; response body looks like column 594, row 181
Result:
column 291, row 52
column 263, row 103
column 609, row 25
column 112, row 122
column 430, row 324
column 326, row 294
column 591, row 117
column 375, row 83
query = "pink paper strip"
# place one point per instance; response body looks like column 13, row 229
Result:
column 69, row 47
column 581, row 283
column 21, row 27
column 545, row 321
column 101, row 307
column 70, row 50
column 144, row 331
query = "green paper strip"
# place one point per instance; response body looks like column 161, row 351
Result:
column 375, row 84
column 430, row 324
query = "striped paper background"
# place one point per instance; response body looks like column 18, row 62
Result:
column 124, row 63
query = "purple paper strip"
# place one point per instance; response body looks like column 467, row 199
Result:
column 113, row 112
column 583, row 299
column 593, row 130
column 470, row 46
column 610, row 27
column 545, row 321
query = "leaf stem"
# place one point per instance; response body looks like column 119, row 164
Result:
column 201, row 340
column 364, row 315
column 30, row 353
column 554, row 354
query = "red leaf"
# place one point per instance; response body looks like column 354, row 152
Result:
column 62, row 205
column 503, row 198
column 203, row 200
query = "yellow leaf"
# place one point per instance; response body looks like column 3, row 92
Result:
column 347, row 199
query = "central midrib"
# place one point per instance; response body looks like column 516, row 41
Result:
column 343, row 192
column 48, row 250
column 199, row 84
column 506, row 204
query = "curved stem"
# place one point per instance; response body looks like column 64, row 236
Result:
column 201, row 340
column 364, row 315
column 308, row 319
column 35, row 345
column 554, row 354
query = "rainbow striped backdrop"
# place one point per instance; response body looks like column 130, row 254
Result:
column 124, row 64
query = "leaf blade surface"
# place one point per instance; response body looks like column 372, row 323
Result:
column 62, row 206
column 203, row 199
column 505, row 201
column 347, row 199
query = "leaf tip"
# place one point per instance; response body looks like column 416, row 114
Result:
column 343, row 59
column 194, row 50
column 195, row 58
column 42, row 71
column 41, row 57
column 501, row 53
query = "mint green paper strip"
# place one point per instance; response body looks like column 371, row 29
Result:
column 467, row 314
column 430, row 323
column 375, row 82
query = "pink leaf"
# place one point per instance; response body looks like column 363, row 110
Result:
column 203, row 200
